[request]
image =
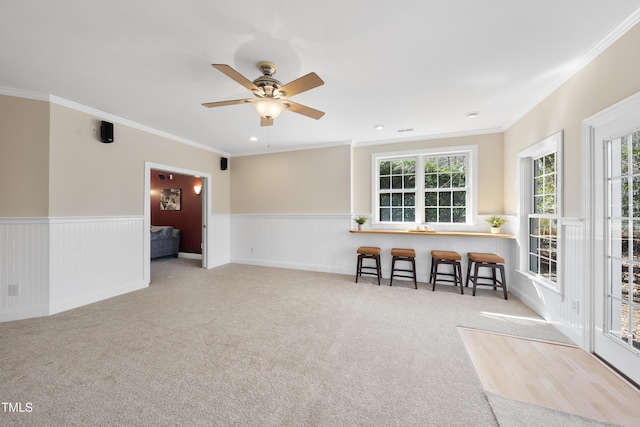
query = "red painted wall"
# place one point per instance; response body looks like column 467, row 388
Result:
column 188, row 218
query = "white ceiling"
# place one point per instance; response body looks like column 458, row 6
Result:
column 406, row 64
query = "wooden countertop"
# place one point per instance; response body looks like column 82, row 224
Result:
column 437, row 233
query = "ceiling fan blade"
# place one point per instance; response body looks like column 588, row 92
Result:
column 266, row 122
column 304, row 110
column 230, row 72
column 302, row 84
column 223, row 103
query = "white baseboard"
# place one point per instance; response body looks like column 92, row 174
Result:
column 549, row 316
column 189, row 255
column 293, row 266
column 23, row 313
column 95, row 297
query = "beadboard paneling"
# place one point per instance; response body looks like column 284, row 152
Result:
column 93, row 259
column 324, row 243
column 24, row 261
column 563, row 308
column 219, row 238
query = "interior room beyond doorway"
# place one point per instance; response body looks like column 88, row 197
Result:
column 176, row 201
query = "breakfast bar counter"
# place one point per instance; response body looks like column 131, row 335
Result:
column 437, row 233
column 425, row 241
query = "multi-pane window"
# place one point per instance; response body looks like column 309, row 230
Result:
column 421, row 188
column 543, row 221
column 540, row 207
column 397, row 180
column 445, row 188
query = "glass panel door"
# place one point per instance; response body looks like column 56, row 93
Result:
column 623, row 248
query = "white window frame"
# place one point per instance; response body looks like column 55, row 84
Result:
column 551, row 144
column 472, row 184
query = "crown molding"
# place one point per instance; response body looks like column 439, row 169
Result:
column 38, row 96
column 620, row 30
column 429, row 137
column 21, row 93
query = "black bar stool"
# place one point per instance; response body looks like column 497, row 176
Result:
column 368, row 252
column 446, row 257
column 492, row 261
column 401, row 254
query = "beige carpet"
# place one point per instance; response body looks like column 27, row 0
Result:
column 254, row 346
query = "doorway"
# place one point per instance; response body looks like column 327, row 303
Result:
column 180, row 183
column 614, row 215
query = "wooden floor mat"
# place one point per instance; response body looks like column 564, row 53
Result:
column 554, row 375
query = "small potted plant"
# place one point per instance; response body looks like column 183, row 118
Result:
column 360, row 220
column 496, row 222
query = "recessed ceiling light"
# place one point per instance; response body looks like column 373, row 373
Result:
column 378, row 127
column 473, row 115
column 253, row 139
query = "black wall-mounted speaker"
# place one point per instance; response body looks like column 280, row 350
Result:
column 224, row 163
column 106, row 132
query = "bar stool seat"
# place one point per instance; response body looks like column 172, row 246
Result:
column 477, row 260
column 368, row 252
column 446, row 257
column 403, row 254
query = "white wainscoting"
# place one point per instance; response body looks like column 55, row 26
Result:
column 565, row 308
column 24, row 261
column 94, row 258
column 64, row 263
column 303, row 242
column 324, row 243
column 219, row 240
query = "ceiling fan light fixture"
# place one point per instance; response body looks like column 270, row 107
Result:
column 268, row 108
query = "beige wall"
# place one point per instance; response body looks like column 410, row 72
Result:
column 24, row 157
column 490, row 167
column 89, row 178
column 315, row 181
column 52, row 164
column 609, row 78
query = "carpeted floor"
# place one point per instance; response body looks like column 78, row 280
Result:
column 256, row 346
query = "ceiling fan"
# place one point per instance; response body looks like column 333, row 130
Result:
column 271, row 95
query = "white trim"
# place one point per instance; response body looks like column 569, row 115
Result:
column 292, row 216
column 579, row 64
column 301, row 148
column 206, row 194
column 446, row 135
column 24, row 220
column 472, row 175
column 607, row 120
column 611, row 38
column 552, row 143
column 95, row 297
column 541, row 281
column 189, row 255
column 79, row 219
column 110, row 117
column 19, row 93
column 14, row 314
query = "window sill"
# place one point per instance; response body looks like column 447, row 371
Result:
column 539, row 282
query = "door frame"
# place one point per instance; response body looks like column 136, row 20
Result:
column 593, row 161
column 206, row 211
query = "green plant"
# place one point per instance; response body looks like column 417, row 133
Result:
column 496, row 221
column 360, row 219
